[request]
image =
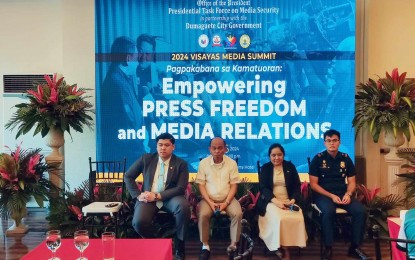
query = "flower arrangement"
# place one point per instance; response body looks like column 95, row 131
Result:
column 66, row 215
column 386, row 104
column 55, row 104
column 371, row 199
column 407, row 177
column 22, row 176
column 377, row 206
column 193, row 196
column 65, row 211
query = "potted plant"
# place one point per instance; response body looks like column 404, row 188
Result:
column 408, row 177
column 21, row 177
column 54, row 105
column 377, row 206
column 65, row 213
column 386, row 104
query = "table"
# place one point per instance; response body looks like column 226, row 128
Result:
column 394, row 224
column 160, row 249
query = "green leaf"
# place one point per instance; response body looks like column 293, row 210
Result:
column 44, row 131
column 39, row 200
column 408, row 101
column 71, row 97
column 375, row 135
column 21, row 185
column 38, row 129
column 64, row 124
column 372, row 125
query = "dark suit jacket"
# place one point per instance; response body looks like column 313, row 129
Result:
column 118, row 108
column 266, row 183
column 177, row 176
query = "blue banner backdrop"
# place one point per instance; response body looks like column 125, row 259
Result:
column 254, row 72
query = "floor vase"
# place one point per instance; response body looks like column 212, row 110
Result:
column 18, row 226
column 392, row 160
column 55, row 140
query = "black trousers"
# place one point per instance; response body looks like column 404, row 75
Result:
column 144, row 213
column 328, row 215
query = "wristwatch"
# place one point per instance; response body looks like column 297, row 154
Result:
column 157, row 196
column 349, row 194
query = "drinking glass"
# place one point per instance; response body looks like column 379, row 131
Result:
column 53, row 242
column 81, row 240
column 108, row 245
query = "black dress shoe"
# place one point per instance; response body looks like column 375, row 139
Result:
column 358, row 253
column 279, row 254
column 231, row 250
column 204, row 255
column 179, row 255
column 179, row 252
column 327, row 254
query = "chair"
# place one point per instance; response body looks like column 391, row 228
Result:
column 106, row 190
column 220, row 222
column 164, row 224
column 377, row 239
column 245, row 249
column 341, row 223
column 266, row 250
column 342, row 217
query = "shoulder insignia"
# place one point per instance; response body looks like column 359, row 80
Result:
column 319, row 154
column 345, row 155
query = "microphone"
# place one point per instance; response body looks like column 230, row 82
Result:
column 217, row 212
column 293, row 207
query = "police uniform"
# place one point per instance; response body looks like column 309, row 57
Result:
column 332, row 173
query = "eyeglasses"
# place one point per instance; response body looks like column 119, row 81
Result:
column 331, row 140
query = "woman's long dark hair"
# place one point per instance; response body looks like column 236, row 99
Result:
column 276, row 145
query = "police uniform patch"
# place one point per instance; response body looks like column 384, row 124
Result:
column 324, row 164
column 342, row 168
column 342, row 164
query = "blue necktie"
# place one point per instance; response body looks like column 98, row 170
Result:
column 160, row 184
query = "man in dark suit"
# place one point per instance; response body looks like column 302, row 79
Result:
column 165, row 178
column 118, row 104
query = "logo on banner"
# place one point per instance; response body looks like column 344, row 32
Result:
column 203, row 40
column 230, row 41
column 245, row 41
column 216, row 41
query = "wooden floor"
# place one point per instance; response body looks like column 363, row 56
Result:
column 12, row 248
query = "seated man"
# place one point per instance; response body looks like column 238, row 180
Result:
column 165, row 180
column 407, row 231
column 218, row 178
column 328, row 171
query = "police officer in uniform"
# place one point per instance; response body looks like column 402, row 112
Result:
column 328, row 172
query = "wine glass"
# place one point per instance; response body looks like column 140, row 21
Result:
column 81, row 239
column 53, row 242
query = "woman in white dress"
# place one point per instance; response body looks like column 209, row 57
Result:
column 280, row 224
